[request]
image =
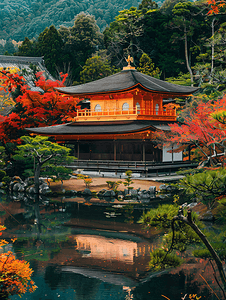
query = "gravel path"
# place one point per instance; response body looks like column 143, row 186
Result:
column 100, row 183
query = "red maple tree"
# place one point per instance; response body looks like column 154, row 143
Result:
column 216, row 6
column 35, row 108
column 200, row 129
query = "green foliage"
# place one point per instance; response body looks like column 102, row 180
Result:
column 30, row 18
column 122, row 37
column 217, row 237
column 84, row 36
column 50, row 45
column 147, row 5
column 182, row 8
column 190, row 171
column 40, row 254
column 9, row 48
column 113, row 184
column 3, row 157
column 221, row 211
column 130, row 30
column 181, row 79
column 128, row 180
column 181, row 236
column 168, row 6
column 220, row 116
column 128, row 213
column 26, row 48
column 204, row 253
column 205, row 186
column 146, row 66
column 96, row 68
column 37, row 146
column 80, row 42
column 2, row 175
column 159, row 260
column 184, row 237
column 57, row 173
column 177, row 240
column 42, row 152
column 160, row 217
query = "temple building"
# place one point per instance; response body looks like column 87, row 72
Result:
column 120, row 114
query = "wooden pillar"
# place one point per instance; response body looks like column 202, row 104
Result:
column 115, row 150
column 143, row 151
column 78, row 149
column 144, row 160
column 142, row 105
column 152, row 105
column 90, row 151
column 189, row 152
column 172, row 154
column 75, row 150
column 161, row 103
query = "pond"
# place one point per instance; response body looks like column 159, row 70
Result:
column 95, row 250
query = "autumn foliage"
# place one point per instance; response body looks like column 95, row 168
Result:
column 203, row 129
column 15, row 274
column 216, row 6
column 43, row 107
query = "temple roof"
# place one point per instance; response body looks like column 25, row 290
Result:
column 82, row 128
column 18, row 60
column 126, row 80
column 24, row 64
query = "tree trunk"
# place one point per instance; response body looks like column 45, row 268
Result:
column 37, row 215
column 36, row 177
column 212, row 48
column 186, row 54
column 215, row 256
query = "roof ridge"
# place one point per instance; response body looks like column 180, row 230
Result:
column 167, row 90
column 136, row 81
column 6, row 58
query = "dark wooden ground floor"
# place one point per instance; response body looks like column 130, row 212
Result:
column 125, row 150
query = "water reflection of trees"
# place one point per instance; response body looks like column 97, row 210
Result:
column 85, row 288
column 41, row 237
column 38, row 228
column 173, row 286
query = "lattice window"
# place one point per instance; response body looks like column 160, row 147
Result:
column 125, row 106
column 97, row 107
column 138, row 107
column 156, row 109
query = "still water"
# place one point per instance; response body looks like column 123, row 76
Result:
column 82, row 249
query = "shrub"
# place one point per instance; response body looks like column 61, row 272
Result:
column 15, row 274
column 2, row 175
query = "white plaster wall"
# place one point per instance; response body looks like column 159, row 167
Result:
column 167, row 156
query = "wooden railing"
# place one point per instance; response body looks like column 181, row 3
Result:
column 142, row 167
column 132, row 114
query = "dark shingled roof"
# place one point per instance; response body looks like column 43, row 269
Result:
column 80, row 128
column 21, row 59
column 125, row 80
column 23, row 63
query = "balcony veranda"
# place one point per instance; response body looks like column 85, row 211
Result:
column 130, row 114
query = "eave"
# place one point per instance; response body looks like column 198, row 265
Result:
column 99, row 130
column 134, row 88
column 124, row 82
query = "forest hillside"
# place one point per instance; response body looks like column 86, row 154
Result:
column 28, row 18
column 180, row 42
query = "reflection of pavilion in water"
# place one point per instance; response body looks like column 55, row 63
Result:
column 112, row 249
